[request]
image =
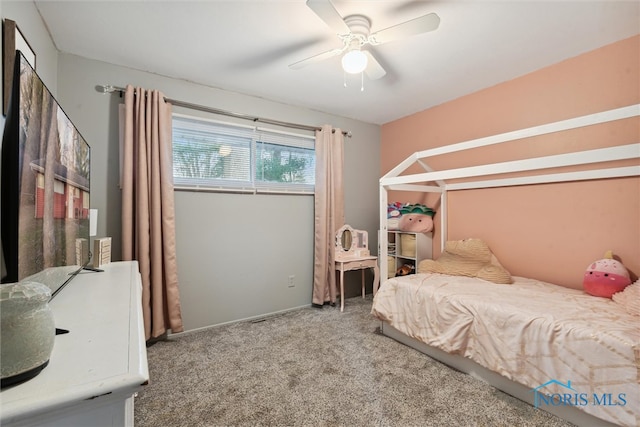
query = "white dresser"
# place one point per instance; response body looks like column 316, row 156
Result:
column 94, row 370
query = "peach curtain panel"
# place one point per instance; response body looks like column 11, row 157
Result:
column 329, row 212
column 148, row 213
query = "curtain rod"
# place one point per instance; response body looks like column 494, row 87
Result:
column 110, row 89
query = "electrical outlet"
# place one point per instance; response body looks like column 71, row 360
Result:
column 291, row 283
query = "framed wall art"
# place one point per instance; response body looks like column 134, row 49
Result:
column 12, row 40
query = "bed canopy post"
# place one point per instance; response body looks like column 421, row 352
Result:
column 383, row 238
column 443, row 219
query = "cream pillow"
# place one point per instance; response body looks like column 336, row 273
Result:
column 468, row 257
column 629, row 298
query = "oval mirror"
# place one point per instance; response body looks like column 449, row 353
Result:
column 346, row 240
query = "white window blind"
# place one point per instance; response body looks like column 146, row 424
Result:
column 214, row 155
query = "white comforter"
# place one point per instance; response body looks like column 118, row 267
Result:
column 586, row 349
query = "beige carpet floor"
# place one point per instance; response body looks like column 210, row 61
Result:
column 315, row 367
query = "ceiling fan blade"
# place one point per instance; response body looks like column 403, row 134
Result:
column 325, row 11
column 273, row 55
column 316, row 58
column 415, row 26
column 374, row 70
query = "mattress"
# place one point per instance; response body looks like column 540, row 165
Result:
column 570, row 348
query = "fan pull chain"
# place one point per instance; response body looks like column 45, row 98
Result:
column 344, row 77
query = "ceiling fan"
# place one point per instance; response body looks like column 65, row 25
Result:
column 354, row 31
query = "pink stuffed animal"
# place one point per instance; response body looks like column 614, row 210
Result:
column 605, row 277
column 418, row 223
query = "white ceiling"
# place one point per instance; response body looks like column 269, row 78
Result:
column 247, row 45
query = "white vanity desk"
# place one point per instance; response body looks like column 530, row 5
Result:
column 352, row 253
column 94, row 370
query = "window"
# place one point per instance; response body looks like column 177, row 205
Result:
column 214, row 155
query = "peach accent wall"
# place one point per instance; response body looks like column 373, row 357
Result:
column 551, row 232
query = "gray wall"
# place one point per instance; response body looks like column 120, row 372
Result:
column 235, row 251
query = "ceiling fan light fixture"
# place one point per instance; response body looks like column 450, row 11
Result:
column 354, row 61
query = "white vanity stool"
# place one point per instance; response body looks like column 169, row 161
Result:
column 352, row 253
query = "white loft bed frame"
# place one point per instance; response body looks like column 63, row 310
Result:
column 393, row 180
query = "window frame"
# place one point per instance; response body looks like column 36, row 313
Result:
column 258, row 137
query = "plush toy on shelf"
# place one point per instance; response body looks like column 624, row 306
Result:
column 394, row 215
column 405, row 270
column 416, row 218
column 605, row 277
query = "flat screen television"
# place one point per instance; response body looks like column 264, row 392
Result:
column 45, row 186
